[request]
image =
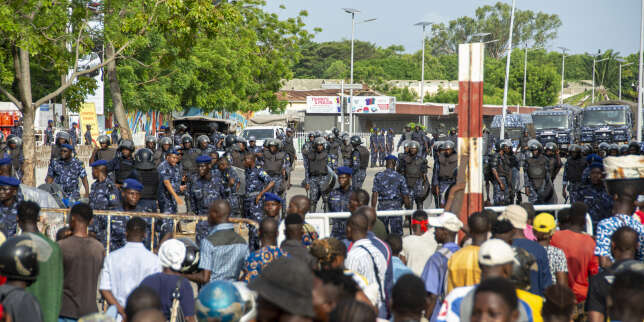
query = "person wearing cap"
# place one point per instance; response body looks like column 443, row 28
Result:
column 171, row 256
column 9, row 201
column 230, row 182
column 269, row 251
column 463, row 267
column 66, row 173
column 13, row 150
column 258, row 182
column 541, row 278
column 272, row 205
column 88, row 134
column 49, row 133
column 292, row 245
column 284, row 290
column 446, row 226
column 389, row 141
column 124, row 269
column 381, row 143
column 544, row 227
column 389, row 192
column 73, row 134
column 624, row 248
column 114, row 135
column 202, row 190
column 170, row 175
column 338, row 201
column 497, row 260
column 104, row 194
column 594, row 195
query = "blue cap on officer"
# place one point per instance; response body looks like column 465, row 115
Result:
column 591, row 158
column 98, row 163
column 5, row 161
column 345, row 170
column 68, row 146
column 272, row 197
column 391, row 157
column 203, row 159
column 596, row 164
column 163, row 127
column 132, row 184
column 172, row 151
column 9, row 181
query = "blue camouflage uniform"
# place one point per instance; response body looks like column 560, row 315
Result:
column 103, row 195
column 9, row 214
column 17, row 160
column 49, row 135
column 598, row 200
column 381, row 142
column 373, row 147
column 317, row 176
column 504, row 169
column 73, row 136
column 230, row 192
column 338, row 201
column 202, row 193
column 359, row 174
column 17, row 130
column 573, row 174
column 88, row 137
column 390, row 141
column 167, row 203
column 256, row 180
column 391, row 187
column 67, row 174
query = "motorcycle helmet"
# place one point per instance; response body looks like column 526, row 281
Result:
column 220, row 301
column 355, row 140
column 191, row 260
column 19, row 258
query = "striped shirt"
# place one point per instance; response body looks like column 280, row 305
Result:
column 224, row 261
column 360, row 261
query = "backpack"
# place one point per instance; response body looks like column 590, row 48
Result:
column 364, row 157
column 176, row 314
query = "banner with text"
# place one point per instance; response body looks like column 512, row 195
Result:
column 323, row 104
column 374, row 104
column 88, row 117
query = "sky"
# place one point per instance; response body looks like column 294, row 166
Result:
column 587, row 25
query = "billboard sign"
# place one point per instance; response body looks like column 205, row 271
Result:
column 374, row 104
column 323, row 105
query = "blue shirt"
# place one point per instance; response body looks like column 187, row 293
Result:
column 435, row 272
column 608, row 226
column 164, row 285
column 540, row 279
column 223, row 261
column 399, row 268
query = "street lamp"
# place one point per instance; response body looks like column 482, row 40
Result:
column 353, row 27
column 525, row 69
column 563, row 66
column 480, row 35
column 422, row 68
column 621, row 64
column 507, row 73
column 595, row 61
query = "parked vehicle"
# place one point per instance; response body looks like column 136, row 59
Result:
column 262, row 133
column 606, row 123
column 515, row 124
column 558, row 124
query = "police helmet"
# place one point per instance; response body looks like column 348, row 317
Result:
column 586, row 149
column 604, row 146
column 19, row 258
column 240, row 139
column 414, row 144
column 551, row 146
column 103, row 139
column 355, row 140
column 575, row 148
column 318, row 141
column 274, row 142
column 165, row 140
column 328, row 135
column 203, row 138
column 335, row 131
column 182, row 127
column 213, row 126
column 447, row 144
column 252, row 138
column 623, row 149
column 229, row 140
column 191, row 260
column 317, row 134
column 63, row 135
column 186, row 138
column 437, row 145
column 150, row 139
column 126, row 144
column 311, row 135
column 15, row 140
column 634, row 144
column 143, row 159
column 505, row 144
column 614, row 146
column 534, row 145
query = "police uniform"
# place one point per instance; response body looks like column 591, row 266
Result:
column 418, row 136
column 346, row 151
column 317, row 176
column 572, row 175
column 502, row 164
column 17, row 130
column 88, row 137
column 67, row 174
column 167, row 203
column 390, row 141
column 17, row 160
column 391, row 188
column 49, row 135
column 359, row 167
column 122, row 168
column 373, row 147
column 202, row 192
column 256, row 180
column 338, row 201
column 537, row 179
column 149, row 178
column 414, row 169
column 108, row 154
column 445, row 173
column 273, row 165
column 597, row 199
column 118, row 223
column 333, row 149
column 103, row 195
column 380, row 139
column 9, row 214
column 73, row 135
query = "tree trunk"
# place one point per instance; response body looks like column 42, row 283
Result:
column 115, row 91
column 23, row 75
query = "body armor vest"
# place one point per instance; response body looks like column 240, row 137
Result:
column 448, row 166
column 318, row 163
column 150, row 181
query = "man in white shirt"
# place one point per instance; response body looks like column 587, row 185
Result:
column 418, row 247
column 124, row 269
column 364, row 258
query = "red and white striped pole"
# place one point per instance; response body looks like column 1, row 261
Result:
column 470, row 121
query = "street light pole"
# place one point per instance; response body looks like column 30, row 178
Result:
column 422, row 68
column 563, row 67
column 595, row 61
column 353, row 28
column 525, row 71
column 639, row 84
column 620, row 78
column 507, row 73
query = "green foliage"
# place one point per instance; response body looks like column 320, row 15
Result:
column 403, row 94
column 338, row 69
column 443, row 96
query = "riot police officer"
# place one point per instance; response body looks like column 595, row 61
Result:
column 419, row 136
column 231, row 186
column 359, row 162
column 123, row 165
column 317, row 175
column 165, row 144
column 66, row 172
column 346, row 149
column 573, row 170
column 202, row 190
column 634, row 148
column 178, row 134
column 554, row 160
column 602, row 149
column 390, row 141
column 333, row 149
column 203, row 144
column 405, row 135
column 374, row 147
column 389, row 193
column 62, row 137
column 538, row 183
column 275, row 166
column 171, row 175
column 148, row 175
column 523, row 141
column 104, row 151
column 14, row 152
column 445, row 171
column 258, row 182
column 338, row 201
column 614, row 150
column 103, row 194
column 236, row 152
column 414, row 168
column 190, row 154
column 151, row 143
column 501, row 169
column 594, row 195
column 216, row 137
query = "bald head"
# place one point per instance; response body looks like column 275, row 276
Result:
column 149, row 315
column 300, row 204
column 370, row 213
column 219, row 212
column 357, row 227
column 478, row 223
column 624, row 243
column 268, row 230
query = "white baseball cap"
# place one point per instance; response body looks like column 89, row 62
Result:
column 447, row 220
column 495, row 252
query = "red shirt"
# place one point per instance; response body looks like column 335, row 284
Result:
column 582, row 262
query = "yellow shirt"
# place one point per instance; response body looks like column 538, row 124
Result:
column 534, row 301
column 463, row 268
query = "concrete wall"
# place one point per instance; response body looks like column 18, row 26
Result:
column 321, row 122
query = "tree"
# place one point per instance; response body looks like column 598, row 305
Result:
column 338, row 69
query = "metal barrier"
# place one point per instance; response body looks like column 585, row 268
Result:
column 52, row 219
column 321, row 221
